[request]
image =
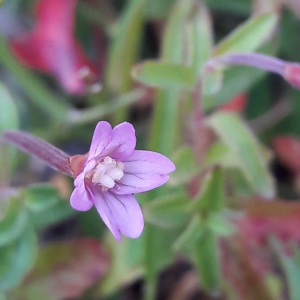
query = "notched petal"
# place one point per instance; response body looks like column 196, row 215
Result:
column 122, row 143
column 148, row 162
column 120, row 213
column 138, row 183
column 101, row 138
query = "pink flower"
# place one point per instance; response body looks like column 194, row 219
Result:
column 112, row 173
column 51, row 47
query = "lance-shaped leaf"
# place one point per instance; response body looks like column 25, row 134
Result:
column 125, row 46
column 220, row 154
column 30, row 144
column 52, row 215
column 291, row 268
column 165, row 134
column 186, row 168
column 2, row 296
column 126, row 264
column 157, row 9
column 201, row 37
column 65, row 270
column 207, row 261
column 249, row 36
column 192, row 233
column 235, row 81
column 13, row 223
column 41, row 197
column 242, row 7
column 212, row 195
column 238, row 137
column 212, row 81
column 35, row 88
column 8, row 120
column 163, row 74
column 168, row 210
column 16, row 259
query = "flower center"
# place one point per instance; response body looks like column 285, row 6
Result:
column 107, row 173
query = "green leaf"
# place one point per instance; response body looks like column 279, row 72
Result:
column 235, row 81
column 212, row 81
column 167, row 210
column 220, row 224
column 240, row 184
column 248, row 36
column 201, row 37
column 157, row 9
column 238, row 137
column 8, row 120
column 207, row 261
column 291, row 269
column 186, row 168
column 163, row 74
column 126, row 264
column 165, row 128
column 188, row 238
column 125, row 46
column 220, row 154
column 241, row 7
column 13, row 223
column 37, row 91
column 57, row 213
column 165, row 136
column 16, row 260
column 9, row 116
column 95, row 113
column 1, row 3
column 2, row 296
column 212, row 194
column 41, row 197
column 173, row 46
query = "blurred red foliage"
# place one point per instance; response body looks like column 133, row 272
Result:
column 236, row 104
column 51, row 47
column 288, row 150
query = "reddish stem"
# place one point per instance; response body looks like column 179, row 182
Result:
column 54, row 157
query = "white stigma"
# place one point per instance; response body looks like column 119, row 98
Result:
column 107, row 173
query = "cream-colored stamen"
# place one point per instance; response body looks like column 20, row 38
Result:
column 107, row 173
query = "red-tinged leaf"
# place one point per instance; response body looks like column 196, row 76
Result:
column 243, row 269
column 266, row 219
column 65, row 270
column 51, row 47
column 288, row 151
column 54, row 157
column 237, row 104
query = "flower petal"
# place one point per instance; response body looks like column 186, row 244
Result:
column 81, row 198
column 144, row 171
column 120, row 213
column 122, row 143
column 138, row 183
column 148, row 162
column 101, row 138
